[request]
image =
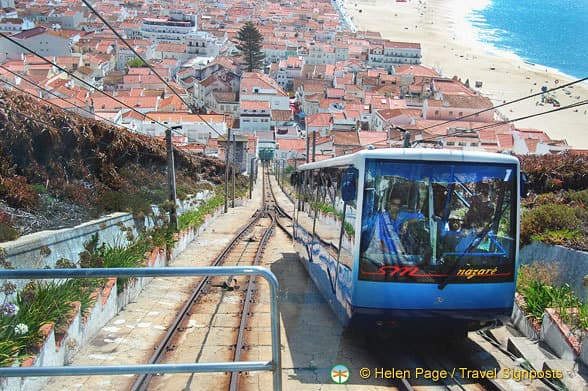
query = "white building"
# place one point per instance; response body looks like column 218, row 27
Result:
column 259, row 87
column 40, row 40
column 7, row 4
column 255, row 116
column 15, row 25
column 320, row 54
column 173, row 29
column 203, row 44
column 387, row 54
column 198, row 128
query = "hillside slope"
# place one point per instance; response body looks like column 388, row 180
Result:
column 59, row 169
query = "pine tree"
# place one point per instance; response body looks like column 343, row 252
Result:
column 250, row 42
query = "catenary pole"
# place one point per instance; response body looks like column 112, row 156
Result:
column 171, row 178
column 227, row 147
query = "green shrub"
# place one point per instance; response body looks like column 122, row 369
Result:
column 39, row 188
column 551, row 217
column 559, row 236
column 579, row 197
column 537, row 297
column 8, row 233
column 194, row 218
column 583, row 316
column 123, row 256
column 122, row 201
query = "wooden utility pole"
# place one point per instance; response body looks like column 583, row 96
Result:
column 171, row 178
column 227, row 170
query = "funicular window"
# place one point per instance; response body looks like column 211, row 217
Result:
column 335, row 219
column 430, row 221
column 307, row 194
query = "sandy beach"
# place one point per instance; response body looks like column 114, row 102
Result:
column 449, row 45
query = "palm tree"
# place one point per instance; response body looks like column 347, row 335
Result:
column 250, row 40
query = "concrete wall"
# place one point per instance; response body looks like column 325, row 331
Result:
column 572, row 264
column 26, row 251
column 108, row 304
column 30, row 251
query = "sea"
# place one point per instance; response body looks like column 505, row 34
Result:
column 547, row 33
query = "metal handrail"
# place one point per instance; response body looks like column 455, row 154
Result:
column 275, row 365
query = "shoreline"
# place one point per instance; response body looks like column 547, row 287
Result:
column 450, row 44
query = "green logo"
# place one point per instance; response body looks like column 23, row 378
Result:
column 339, row 374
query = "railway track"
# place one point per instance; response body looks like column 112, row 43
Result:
column 214, row 322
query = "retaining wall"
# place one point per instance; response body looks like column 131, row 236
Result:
column 572, row 264
column 573, row 267
column 30, row 251
column 58, row 352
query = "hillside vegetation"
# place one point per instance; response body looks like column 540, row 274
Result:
column 555, row 211
column 59, row 169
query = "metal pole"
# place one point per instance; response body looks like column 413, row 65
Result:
column 251, row 177
column 234, row 167
column 227, row 169
column 171, row 177
column 307, row 147
column 283, row 169
column 313, row 146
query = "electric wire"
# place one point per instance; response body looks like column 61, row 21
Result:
column 38, row 121
column 55, row 95
column 87, row 4
column 90, row 85
column 145, row 62
column 507, row 103
column 494, row 124
column 209, row 125
column 570, row 106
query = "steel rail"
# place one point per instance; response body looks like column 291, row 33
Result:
column 143, row 380
column 234, row 384
column 280, row 211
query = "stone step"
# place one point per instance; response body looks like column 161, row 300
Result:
column 571, row 378
column 529, row 350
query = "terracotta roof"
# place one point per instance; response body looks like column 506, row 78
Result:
column 281, row 115
column 416, row 70
column 448, row 86
column 225, row 97
column 505, row 141
column 292, row 144
column 29, row 33
column 468, row 101
column 373, row 138
column 255, row 105
column 345, row 138
column 319, row 119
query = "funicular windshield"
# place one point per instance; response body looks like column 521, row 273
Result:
column 444, row 222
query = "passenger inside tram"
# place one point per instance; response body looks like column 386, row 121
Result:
column 481, row 209
column 465, row 224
